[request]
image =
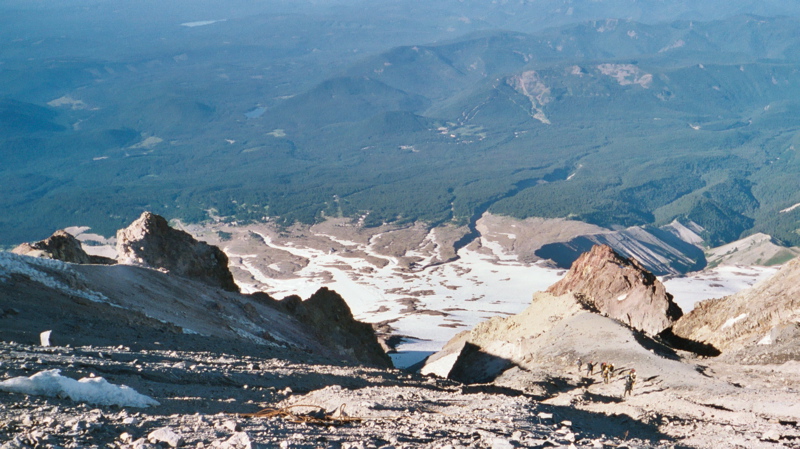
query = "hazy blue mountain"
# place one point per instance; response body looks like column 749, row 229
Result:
column 616, row 112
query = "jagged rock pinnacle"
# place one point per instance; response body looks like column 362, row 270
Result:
column 620, row 288
column 150, row 241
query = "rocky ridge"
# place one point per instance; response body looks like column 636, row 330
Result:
column 150, row 241
column 544, row 351
column 213, row 372
column 190, row 293
column 619, row 288
column 61, row 246
column 604, row 301
column 762, row 322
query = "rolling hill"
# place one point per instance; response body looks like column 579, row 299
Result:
column 616, row 122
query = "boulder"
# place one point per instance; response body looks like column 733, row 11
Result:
column 150, row 241
column 619, row 288
column 61, row 246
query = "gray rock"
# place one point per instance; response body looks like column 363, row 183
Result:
column 165, row 435
column 150, row 241
column 61, row 246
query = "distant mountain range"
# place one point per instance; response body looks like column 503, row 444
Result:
column 611, row 121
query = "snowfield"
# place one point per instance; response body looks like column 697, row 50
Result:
column 430, row 305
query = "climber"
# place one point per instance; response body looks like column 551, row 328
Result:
column 629, row 381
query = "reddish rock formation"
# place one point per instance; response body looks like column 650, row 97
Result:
column 151, row 242
column 61, row 246
column 620, row 288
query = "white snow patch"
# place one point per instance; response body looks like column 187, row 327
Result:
column 68, row 101
column 677, row 44
column 442, row 366
column 622, row 297
column 733, row 321
column 201, row 23
column 767, row 340
column 717, row 283
column 31, row 267
column 789, row 209
column 94, row 390
column 465, row 291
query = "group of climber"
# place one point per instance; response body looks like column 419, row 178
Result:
column 607, row 371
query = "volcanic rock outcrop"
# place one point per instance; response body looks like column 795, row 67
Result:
column 601, row 310
column 765, row 316
column 150, row 241
column 61, row 246
column 619, row 288
column 329, row 315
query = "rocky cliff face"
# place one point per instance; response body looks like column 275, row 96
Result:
column 329, row 315
column 619, row 288
column 125, row 304
column 764, row 316
column 60, row 246
column 150, row 241
column 599, row 311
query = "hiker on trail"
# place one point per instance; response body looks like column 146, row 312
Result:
column 606, row 372
column 629, row 381
column 579, row 365
column 590, row 368
column 610, row 370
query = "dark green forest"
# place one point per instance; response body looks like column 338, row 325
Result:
column 616, row 123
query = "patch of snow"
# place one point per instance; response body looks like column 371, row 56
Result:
column 201, row 23
column 462, row 292
column 677, row 44
column 791, row 208
column 733, row 321
column 442, row 366
column 609, row 25
column 717, row 283
column 147, row 143
column 767, row 340
column 31, row 267
column 622, row 297
column 66, row 100
column 94, row 390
